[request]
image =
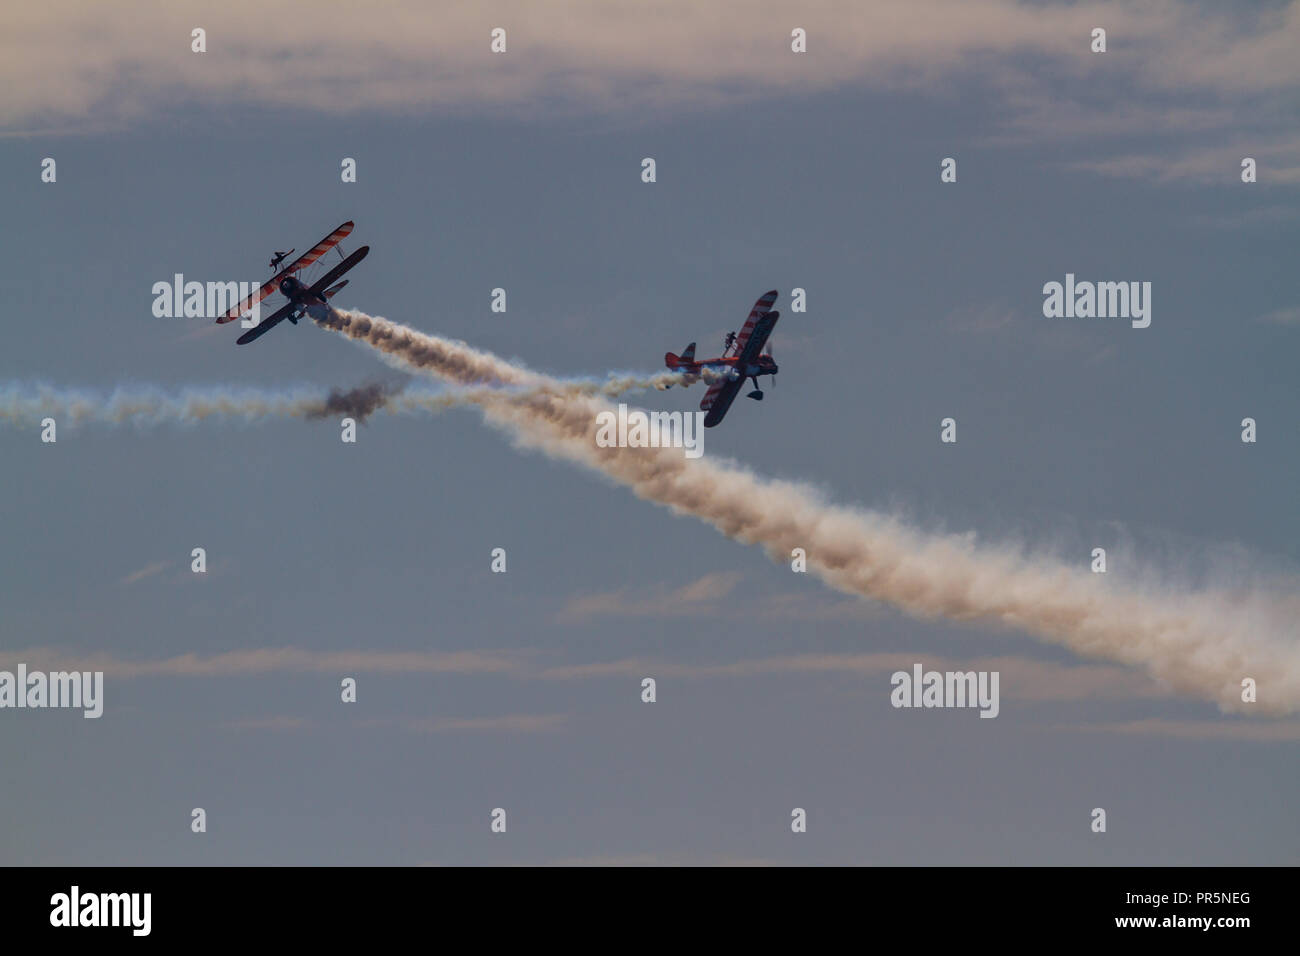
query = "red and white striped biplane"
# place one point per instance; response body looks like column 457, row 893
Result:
column 742, row 358
column 303, row 299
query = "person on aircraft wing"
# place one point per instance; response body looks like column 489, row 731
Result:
column 731, row 340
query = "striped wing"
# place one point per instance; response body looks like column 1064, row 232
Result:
column 761, row 307
column 718, row 399
column 758, row 338
column 263, row 291
column 322, row 247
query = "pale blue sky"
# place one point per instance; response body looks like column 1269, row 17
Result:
column 924, row 301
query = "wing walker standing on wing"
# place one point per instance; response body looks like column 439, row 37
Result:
column 303, row 299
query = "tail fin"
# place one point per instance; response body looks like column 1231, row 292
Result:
column 686, row 358
column 332, row 289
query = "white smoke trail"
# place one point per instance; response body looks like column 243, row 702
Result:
column 149, row 405
column 146, row 405
column 1203, row 642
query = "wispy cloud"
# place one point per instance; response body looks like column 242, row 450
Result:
column 1227, row 728
column 711, row 594
column 1287, row 316
column 1172, row 68
column 679, row 858
column 279, row 722
column 1021, row 678
column 509, row 723
column 147, row 571
column 989, row 317
column 1000, row 318
column 1275, row 151
column 266, row 660
column 1253, row 217
column 692, row 598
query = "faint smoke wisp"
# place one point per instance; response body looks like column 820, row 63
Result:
column 149, row 405
column 145, row 405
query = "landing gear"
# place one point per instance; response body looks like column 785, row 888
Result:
column 757, row 393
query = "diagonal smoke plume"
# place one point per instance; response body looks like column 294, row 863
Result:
column 1203, row 642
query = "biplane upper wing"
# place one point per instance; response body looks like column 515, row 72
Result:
column 761, row 308
column 302, row 262
column 262, row 292
column 322, row 247
column 718, row 399
column 758, row 337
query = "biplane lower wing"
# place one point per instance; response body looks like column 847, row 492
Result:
column 718, row 399
column 266, row 325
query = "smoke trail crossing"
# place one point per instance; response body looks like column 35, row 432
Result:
column 1202, row 642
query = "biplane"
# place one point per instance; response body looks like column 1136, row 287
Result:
column 304, row 299
column 743, row 358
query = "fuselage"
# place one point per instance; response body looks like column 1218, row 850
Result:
column 729, row 365
column 301, row 296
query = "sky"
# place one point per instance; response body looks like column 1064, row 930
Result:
column 522, row 170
